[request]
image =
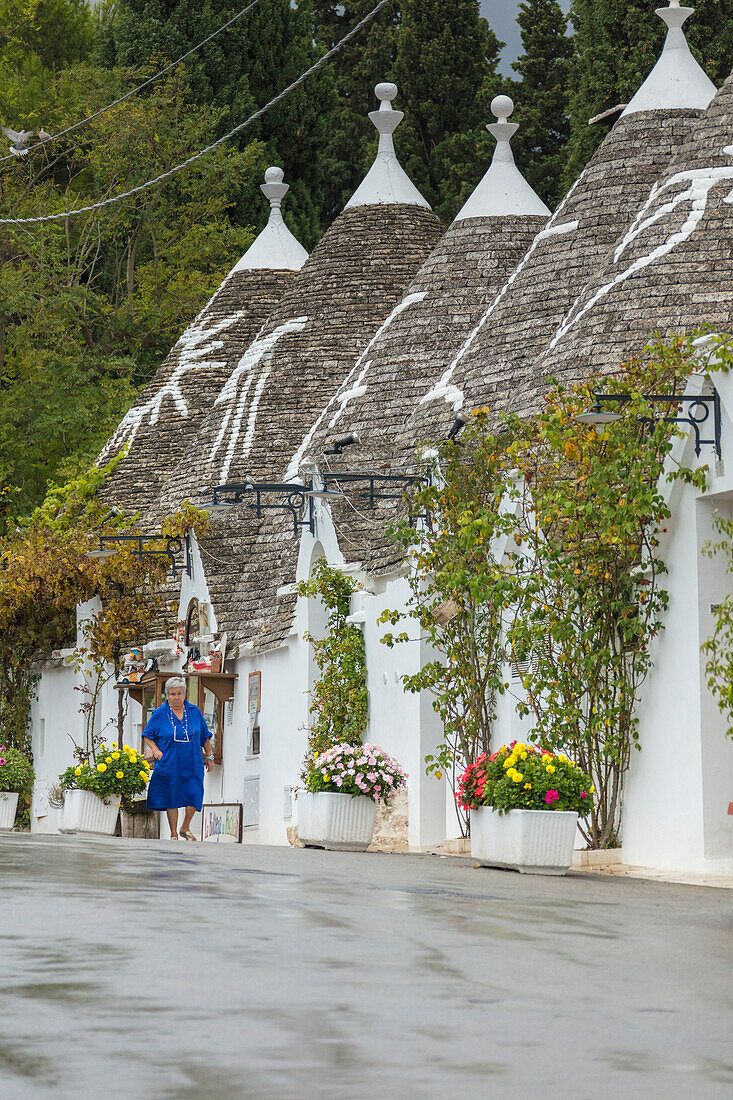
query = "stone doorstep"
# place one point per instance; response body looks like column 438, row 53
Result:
column 584, row 860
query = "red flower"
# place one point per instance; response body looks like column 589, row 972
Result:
column 551, row 796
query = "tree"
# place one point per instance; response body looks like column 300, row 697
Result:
column 543, row 96
column 617, row 43
column 239, row 71
column 349, row 146
column 90, row 307
column 446, row 71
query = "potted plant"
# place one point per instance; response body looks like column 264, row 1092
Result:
column 16, row 778
column 96, row 787
column 342, row 787
column 524, row 803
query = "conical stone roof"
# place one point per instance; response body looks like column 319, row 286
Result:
column 161, row 426
column 498, row 356
column 354, row 279
column 427, row 327
column 671, row 270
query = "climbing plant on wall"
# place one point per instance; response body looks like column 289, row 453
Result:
column 545, row 557
column 339, row 698
column 46, row 572
column 718, row 648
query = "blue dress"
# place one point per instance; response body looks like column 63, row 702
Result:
column 178, row 778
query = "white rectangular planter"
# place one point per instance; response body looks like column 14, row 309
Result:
column 8, row 807
column 336, row 821
column 535, row 842
column 84, row 812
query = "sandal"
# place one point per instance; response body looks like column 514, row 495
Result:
column 188, row 835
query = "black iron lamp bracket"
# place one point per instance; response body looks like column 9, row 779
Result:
column 370, row 481
column 255, row 495
column 138, row 544
column 693, row 410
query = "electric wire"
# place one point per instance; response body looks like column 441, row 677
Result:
column 134, row 91
column 220, row 141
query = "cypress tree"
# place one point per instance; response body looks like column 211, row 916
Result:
column 239, row 71
column 446, row 71
column 349, row 147
column 617, row 43
column 543, row 96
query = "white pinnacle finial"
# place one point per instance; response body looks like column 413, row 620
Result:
column 676, row 82
column 275, row 249
column 386, row 182
column 275, row 190
column 503, row 192
column 502, row 106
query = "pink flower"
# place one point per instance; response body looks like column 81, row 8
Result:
column 372, row 760
column 2, row 761
column 583, row 794
column 339, row 782
column 551, row 796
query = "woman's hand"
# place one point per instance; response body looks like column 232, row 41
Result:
column 209, row 765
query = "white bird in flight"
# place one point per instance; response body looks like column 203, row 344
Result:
column 18, row 140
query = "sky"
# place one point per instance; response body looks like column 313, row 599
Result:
column 502, row 16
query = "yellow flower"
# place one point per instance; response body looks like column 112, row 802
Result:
column 326, row 777
column 115, row 756
column 143, row 775
column 524, row 756
column 120, row 775
column 592, row 789
column 77, row 771
column 547, row 756
column 517, row 777
column 133, row 758
column 549, row 769
column 101, row 767
column 109, row 759
column 509, row 762
column 528, row 786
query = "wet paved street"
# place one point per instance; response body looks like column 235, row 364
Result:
column 158, row 970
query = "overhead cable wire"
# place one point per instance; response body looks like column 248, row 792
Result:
column 134, row 91
column 220, row 141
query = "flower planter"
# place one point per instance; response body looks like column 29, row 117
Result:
column 8, row 807
column 84, row 812
column 535, row 842
column 336, row 821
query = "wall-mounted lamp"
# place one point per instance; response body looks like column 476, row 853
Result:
column 691, row 409
column 338, row 444
column 458, row 425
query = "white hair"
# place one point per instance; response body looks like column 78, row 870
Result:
column 174, row 682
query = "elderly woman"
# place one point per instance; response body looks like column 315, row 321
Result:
column 179, row 741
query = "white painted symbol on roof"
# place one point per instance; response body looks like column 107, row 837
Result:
column 195, row 342
column 256, row 356
column 346, row 393
column 444, row 388
column 693, row 198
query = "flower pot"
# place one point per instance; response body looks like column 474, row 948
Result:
column 336, row 821
column 8, row 807
column 84, row 812
column 535, row 842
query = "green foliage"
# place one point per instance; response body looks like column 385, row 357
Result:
column 46, row 572
column 356, row 770
column 236, row 73
column 617, row 43
column 591, row 509
column 16, row 772
column 718, row 649
column 542, row 96
column 545, row 553
column 108, row 772
column 523, row 777
column 339, row 698
column 459, row 592
column 445, row 68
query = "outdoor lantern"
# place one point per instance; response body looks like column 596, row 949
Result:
column 458, row 425
column 597, row 416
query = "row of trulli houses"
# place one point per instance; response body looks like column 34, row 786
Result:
column 392, row 326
